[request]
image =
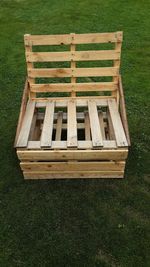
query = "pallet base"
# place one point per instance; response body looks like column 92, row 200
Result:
column 52, row 165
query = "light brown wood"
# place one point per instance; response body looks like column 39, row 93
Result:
column 22, row 110
column 95, row 126
column 65, row 39
column 74, row 72
column 119, row 154
column 123, row 111
column 46, row 136
column 71, row 125
column 59, row 126
column 76, row 136
column 87, row 144
column 77, row 87
column 73, row 166
column 117, row 124
column 72, row 55
column 72, row 175
column 28, row 48
column 26, row 125
column 87, row 126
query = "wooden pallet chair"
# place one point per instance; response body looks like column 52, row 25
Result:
column 72, row 135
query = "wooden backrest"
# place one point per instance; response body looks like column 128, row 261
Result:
column 72, row 56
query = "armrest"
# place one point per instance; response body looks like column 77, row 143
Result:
column 22, row 109
column 123, row 111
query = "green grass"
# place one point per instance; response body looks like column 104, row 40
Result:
column 87, row 223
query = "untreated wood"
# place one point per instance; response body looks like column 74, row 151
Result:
column 22, row 109
column 62, row 133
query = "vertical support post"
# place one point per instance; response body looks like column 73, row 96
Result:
column 28, row 48
column 73, row 63
column 118, row 44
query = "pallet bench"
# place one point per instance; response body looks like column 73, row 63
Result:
column 74, row 135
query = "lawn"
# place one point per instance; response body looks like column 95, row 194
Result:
column 82, row 223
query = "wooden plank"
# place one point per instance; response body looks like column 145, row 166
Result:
column 73, row 166
column 117, row 124
column 22, row 109
column 123, row 111
column 73, row 63
column 102, row 124
column 119, row 154
column 72, row 175
column 59, row 126
column 87, row 126
column 31, row 80
column 108, row 144
column 77, row 87
column 26, row 125
column 65, row 39
column 80, row 102
column 72, row 55
column 46, row 136
column 74, row 72
column 96, row 133
column 71, row 124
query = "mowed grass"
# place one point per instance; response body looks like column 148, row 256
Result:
column 87, row 223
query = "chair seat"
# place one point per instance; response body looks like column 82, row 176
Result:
column 72, row 124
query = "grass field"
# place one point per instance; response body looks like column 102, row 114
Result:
column 82, row 223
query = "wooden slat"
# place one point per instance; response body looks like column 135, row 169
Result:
column 73, row 166
column 102, row 124
column 117, row 124
column 97, row 139
column 123, row 111
column 71, row 124
column 119, row 154
column 81, row 102
column 79, row 38
column 72, row 56
column 46, row 137
column 108, row 144
column 73, row 63
column 87, row 126
column 31, row 80
column 59, row 126
column 74, row 72
column 77, row 87
column 22, row 109
column 73, row 175
column 26, row 125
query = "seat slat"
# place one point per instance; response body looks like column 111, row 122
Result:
column 87, row 126
column 26, row 125
column 75, row 55
column 46, row 136
column 117, row 124
column 71, row 124
column 76, row 72
column 94, row 123
column 68, row 87
column 59, row 126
